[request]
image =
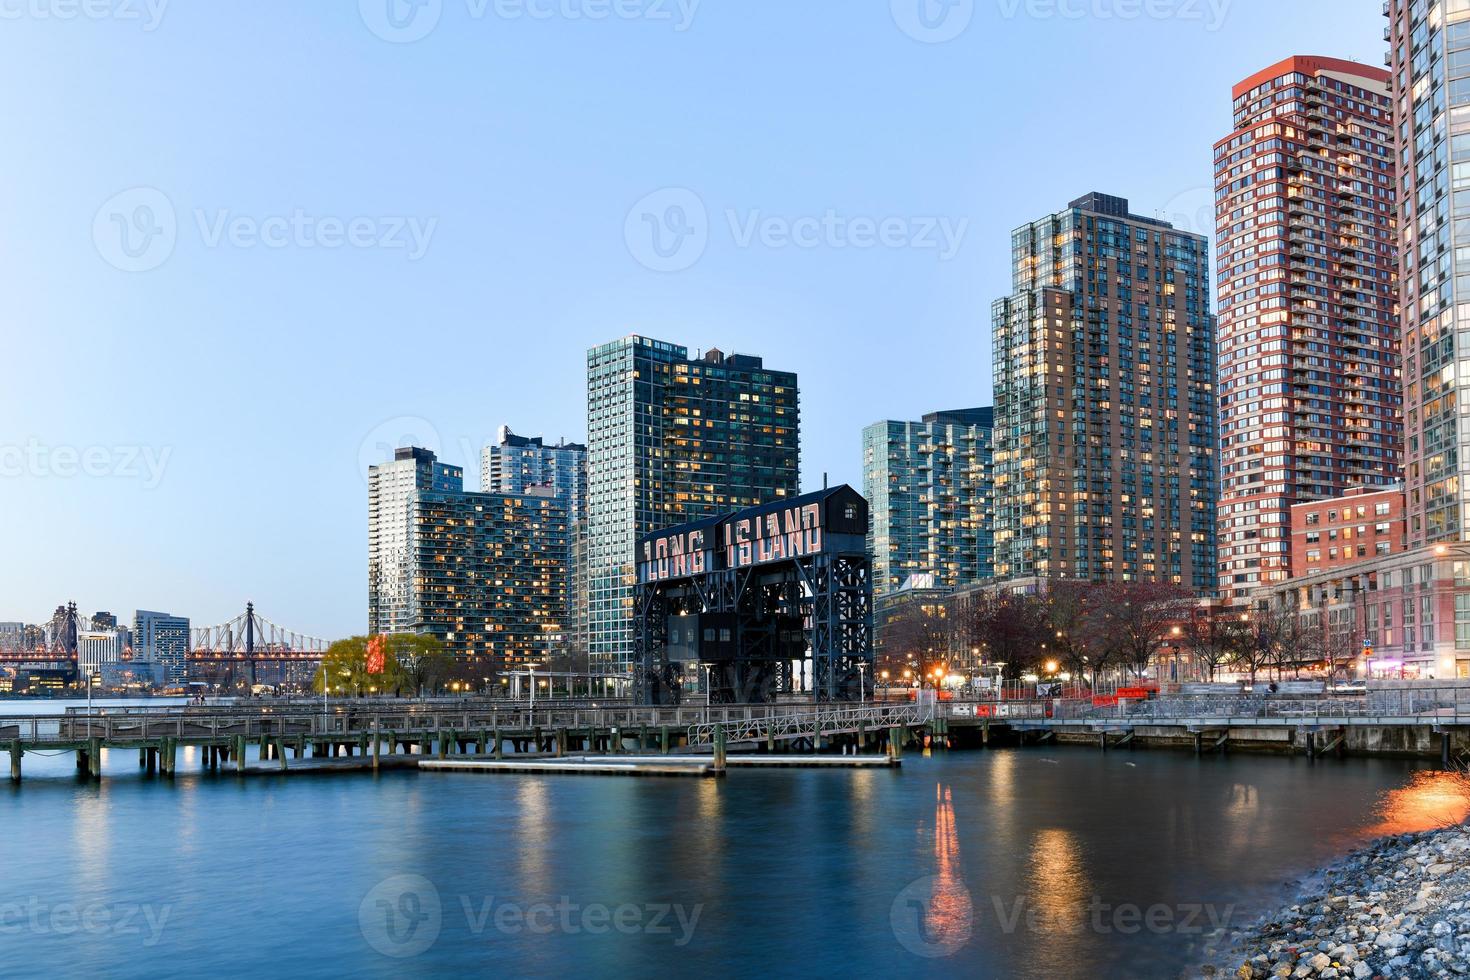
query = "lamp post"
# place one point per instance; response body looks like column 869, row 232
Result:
column 862, row 684
column 706, row 668
column 531, row 670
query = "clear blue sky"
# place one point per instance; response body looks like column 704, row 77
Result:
column 260, row 365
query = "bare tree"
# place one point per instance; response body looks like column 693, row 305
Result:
column 1071, row 609
column 1212, row 641
column 917, row 638
column 1013, row 627
column 1136, row 617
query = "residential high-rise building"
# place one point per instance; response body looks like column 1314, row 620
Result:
column 485, row 572
column 1104, row 363
column 673, row 439
column 930, row 488
column 517, row 463
column 1309, row 369
column 1430, row 64
column 162, row 638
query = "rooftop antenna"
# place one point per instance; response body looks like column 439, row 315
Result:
column 824, row 479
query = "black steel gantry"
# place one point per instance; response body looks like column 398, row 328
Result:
column 752, row 597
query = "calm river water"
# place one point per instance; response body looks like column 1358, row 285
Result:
column 1040, row 862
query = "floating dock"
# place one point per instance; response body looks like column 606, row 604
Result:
column 580, row 766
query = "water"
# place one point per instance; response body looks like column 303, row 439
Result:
column 1027, row 863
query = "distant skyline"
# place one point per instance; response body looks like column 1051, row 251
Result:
column 250, row 248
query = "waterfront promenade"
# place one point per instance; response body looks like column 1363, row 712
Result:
column 1430, row 721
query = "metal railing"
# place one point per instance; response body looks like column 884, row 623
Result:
column 350, row 720
column 812, row 723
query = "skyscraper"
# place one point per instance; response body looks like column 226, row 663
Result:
column 930, row 488
column 161, row 638
column 673, row 439
column 516, row 463
column 1309, row 370
column 1104, row 367
column 485, row 572
column 1430, row 61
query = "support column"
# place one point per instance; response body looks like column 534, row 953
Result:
column 281, row 753
column 169, row 751
column 377, row 746
column 499, row 747
column 663, row 739
column 94, row 759
column 720, row 747
column 239, row 753
column 16, row 752
column 1444, row 749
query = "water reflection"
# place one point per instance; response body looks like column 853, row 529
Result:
column 946, row 913
column 1430, row 800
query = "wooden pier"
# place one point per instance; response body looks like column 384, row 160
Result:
column 372, row 735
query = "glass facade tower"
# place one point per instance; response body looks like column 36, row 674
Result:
column 1430, row 64
column 674, row 439
column 930, row 488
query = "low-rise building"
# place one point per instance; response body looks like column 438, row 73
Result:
column 1406, row 614
column 1342, row 531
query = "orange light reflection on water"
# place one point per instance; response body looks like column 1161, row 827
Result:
column 1431, row 800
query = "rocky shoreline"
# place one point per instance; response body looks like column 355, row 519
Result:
column 1399, row 907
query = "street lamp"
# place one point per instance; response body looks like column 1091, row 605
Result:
column 706, row 668
column 93, row 677
column 862, row 685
